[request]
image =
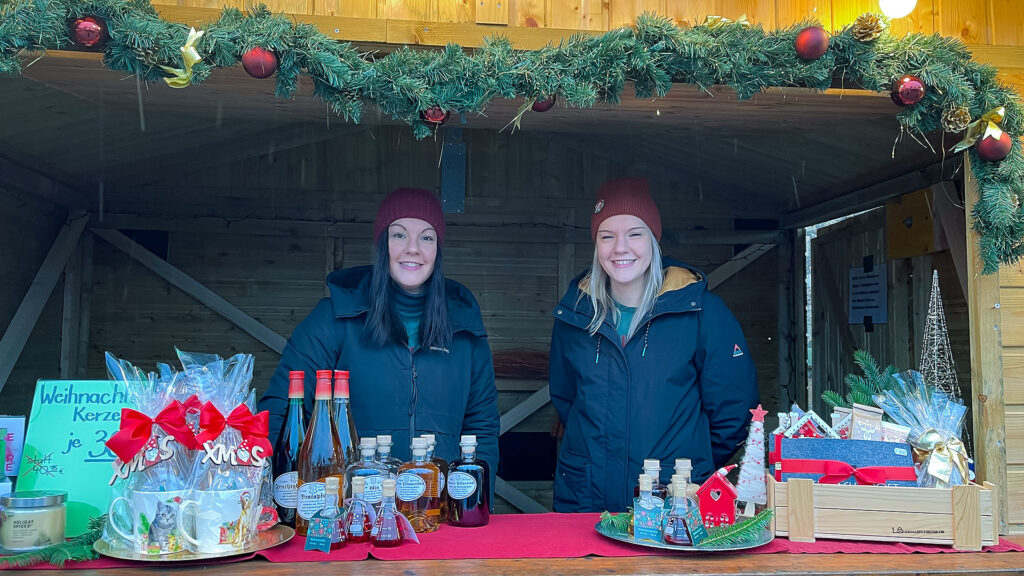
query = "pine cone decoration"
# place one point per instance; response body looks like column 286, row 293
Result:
column 868, row 26
column 956, row 119
column 147, row 55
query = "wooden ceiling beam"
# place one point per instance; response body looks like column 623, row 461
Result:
column 24, row 179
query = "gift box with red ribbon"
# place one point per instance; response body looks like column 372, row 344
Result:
column 831, row 461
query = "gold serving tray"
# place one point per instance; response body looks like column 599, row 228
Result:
column 276, row 536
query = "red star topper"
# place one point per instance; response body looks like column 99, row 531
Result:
column 758, row 414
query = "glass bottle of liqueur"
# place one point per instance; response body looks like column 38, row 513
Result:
column 675, row 520
column 333, row 511
column 648, row 512
column 652, row 468
column 442, row 466
column 286, row 452
column 469, row 493
column 370, row 470
column 384, row 455
column 357, row 518
column 343, row 416
column 685, row 469
column 320, row 456
column 387, row 530
column 419, row 498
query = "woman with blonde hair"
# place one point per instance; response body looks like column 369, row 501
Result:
column 645, row 362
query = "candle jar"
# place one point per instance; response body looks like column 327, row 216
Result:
column 32, row 520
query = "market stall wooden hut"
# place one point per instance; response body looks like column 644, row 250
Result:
column 207, row 218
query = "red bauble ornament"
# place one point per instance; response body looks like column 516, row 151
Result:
column 90, row 32
column 811, row 43
column 259, row 62
column 544, row 105
column 994, row 149
column 907, row 91
column 435, row 115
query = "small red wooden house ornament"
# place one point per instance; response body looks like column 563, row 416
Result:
column 717, row 499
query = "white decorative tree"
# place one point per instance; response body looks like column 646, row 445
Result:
column 752, row 485
column 937, row 367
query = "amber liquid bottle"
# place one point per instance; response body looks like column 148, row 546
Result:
column 468, row 496
column 334, row 512
column 321, row 455
column 286, row 453
column 442, row 466
column 343, row 417
column 419, row 498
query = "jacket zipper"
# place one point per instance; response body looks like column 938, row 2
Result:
column 413, row 398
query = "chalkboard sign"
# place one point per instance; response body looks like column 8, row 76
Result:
column 64, row 444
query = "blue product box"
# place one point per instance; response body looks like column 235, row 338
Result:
column 831, row 461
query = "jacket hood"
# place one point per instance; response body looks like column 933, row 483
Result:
column 682, row 289
column 349, row 288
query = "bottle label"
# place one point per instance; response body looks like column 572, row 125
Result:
column 373, row 491
column 409, row 487
column 311, row 499
column 440, row 483
column 461, row 485
column 286, row 491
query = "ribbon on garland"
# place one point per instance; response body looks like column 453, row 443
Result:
column 253, row 428
column 715, row 22
column 137, row 428
column 182, row 77
column 984, row 127
column 837, row 471
column 940, row 456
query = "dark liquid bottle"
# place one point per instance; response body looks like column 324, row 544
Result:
column 286, row 452
column 387, row 530
column 320, row 457
column 343, row 417
column 468, row 491
column 357, row 520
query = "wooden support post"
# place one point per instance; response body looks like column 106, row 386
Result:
column 521, row 411
column 986, row 362
column 193, row 288
column 17, row 333
column 71, row 315
column 801, row 391
column 737, row 263
column 801, row 510
column 967, row 517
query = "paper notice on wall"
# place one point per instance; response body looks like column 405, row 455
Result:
column 869, row 295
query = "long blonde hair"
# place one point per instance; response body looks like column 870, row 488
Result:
column 598, row 286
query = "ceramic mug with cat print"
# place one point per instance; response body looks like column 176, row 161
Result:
column 223, row 520
column 154, row 520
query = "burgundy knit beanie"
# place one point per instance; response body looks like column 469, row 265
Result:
column 626, row 196
column 410, row 203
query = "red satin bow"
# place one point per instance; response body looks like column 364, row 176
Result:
column 192, row 404
column 254, row 428
column 137, row 428
column 836, row 471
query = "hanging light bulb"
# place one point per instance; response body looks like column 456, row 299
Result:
column 897, row 8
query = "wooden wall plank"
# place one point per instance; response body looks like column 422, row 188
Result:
column 1015, row 485
column 357, row 8
column 577, row 14
column 792, row 11
column 624, row 12
column 1014, row 435
column 527, row 13
column 920, row 20
column 490, row 11
column 1011, row 305
column 1006, row 22
column 1013, row 375
column 967, row 20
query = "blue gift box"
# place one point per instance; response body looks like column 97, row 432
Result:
column 846, row 461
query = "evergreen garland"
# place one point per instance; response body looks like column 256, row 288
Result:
column 862, row 389
column 77, row 549
column 582, row 70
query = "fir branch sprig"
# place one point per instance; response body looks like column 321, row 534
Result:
column 622, row 522
column 745, row 532
column 77, row 549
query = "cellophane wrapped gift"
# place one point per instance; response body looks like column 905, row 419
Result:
column 154, row 448
column 234, row 452
column 936, row 422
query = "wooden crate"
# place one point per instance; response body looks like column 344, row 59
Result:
column 965, row 517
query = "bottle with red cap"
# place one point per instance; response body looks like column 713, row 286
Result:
column 343, row 417
column 321, row 455
column 286, row 452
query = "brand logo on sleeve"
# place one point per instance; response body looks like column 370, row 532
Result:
column 736, row 352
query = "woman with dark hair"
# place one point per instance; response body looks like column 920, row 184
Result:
column 645, row 362
column 412, row 340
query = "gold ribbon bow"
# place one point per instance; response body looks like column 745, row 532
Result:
column 942, row 456
column 987, row 125
column 182, row 77
column 714, row 22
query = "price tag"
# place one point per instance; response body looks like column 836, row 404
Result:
column 695, row 525
column 320, row 532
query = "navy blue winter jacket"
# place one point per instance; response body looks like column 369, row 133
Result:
column 681, row 387
column 396, row 391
